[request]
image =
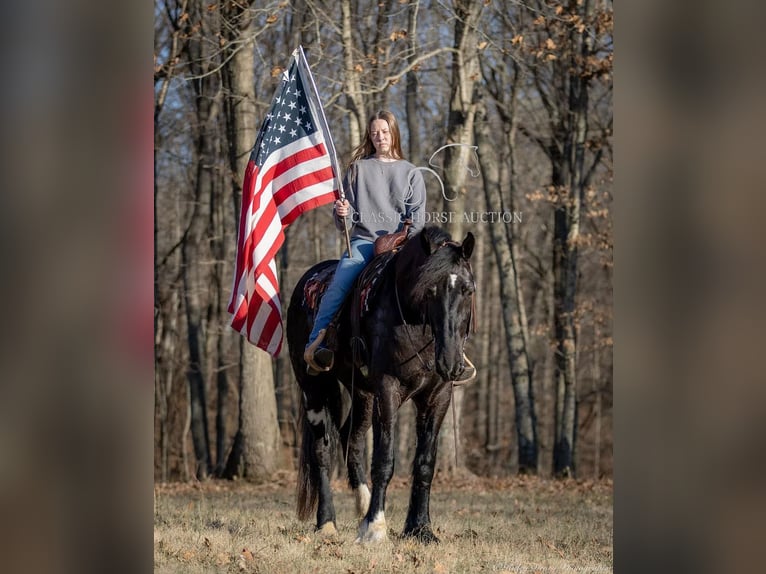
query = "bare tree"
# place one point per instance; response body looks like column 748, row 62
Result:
column 562, row 63
column 526, row 425
column 462, row 108
column 254, row 454
column 200, row 26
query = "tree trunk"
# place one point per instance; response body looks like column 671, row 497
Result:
column 569, row 177
column 356, row 104
column 494, row 421
column 194, row 277
column 465, row 72
column 459, row 130
column 405, row 439
column 596, row 375
column 484, row 310
column 255, row 453
column 526, row 424
column 411, row 95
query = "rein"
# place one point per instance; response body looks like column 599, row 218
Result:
column 409, row 336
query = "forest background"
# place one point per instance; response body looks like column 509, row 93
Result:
column 529, row 84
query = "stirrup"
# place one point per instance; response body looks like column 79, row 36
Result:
column 314, row 351
column 468, row 376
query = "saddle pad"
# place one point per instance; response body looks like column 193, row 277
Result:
column 366, row 283
column 316, row 285
column 368, row 280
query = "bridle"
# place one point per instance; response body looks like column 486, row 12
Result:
column 428, row 365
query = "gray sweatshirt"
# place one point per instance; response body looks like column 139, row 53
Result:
column 382, row 195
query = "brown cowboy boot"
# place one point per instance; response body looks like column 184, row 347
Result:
column 468, row 375
column 318, row 357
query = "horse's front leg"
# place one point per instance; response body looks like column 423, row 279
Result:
column 373, row 525
column 431, row 411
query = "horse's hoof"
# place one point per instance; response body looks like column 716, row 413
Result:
column 423, row 535
column 327, row 530
column 372, row 532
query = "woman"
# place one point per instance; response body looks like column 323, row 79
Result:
column 382, row 190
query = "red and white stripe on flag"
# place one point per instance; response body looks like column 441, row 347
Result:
column 290, row 171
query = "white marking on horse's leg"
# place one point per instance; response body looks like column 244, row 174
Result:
column 362, row 495
column 315, row 417
column 375, row 531
column 452, row 280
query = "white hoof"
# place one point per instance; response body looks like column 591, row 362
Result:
column 362, row 495
column 327, row 530
column 372, row 532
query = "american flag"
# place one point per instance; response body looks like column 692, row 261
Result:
column 292, row 169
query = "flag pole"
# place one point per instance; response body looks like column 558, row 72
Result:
column 302, row 62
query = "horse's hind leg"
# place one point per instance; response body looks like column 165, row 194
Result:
column 373, row 525
column 431, row 411
column 318, row 452
column 352, row 436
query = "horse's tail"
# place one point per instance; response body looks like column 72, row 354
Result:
column 308, row 471
column 308, row 462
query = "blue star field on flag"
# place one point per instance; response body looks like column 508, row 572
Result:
column 288, row 119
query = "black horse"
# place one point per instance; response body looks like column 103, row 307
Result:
column 414, row 335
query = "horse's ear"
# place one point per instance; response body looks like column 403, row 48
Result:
column 425, row 243
column 468, row 244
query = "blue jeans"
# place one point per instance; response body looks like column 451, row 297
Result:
column 347, row 271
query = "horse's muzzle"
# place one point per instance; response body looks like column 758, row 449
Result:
column 450, row 372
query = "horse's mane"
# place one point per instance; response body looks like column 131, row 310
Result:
column 435, row 267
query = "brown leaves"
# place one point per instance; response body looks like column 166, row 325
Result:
column 245, row 557
column 397, row 35
column 247, row 554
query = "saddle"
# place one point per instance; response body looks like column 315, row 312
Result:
column 389, row 242
column 360, row 297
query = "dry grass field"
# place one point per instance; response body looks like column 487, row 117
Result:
column 523, row 525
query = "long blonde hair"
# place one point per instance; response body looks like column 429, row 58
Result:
column 366, row 148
